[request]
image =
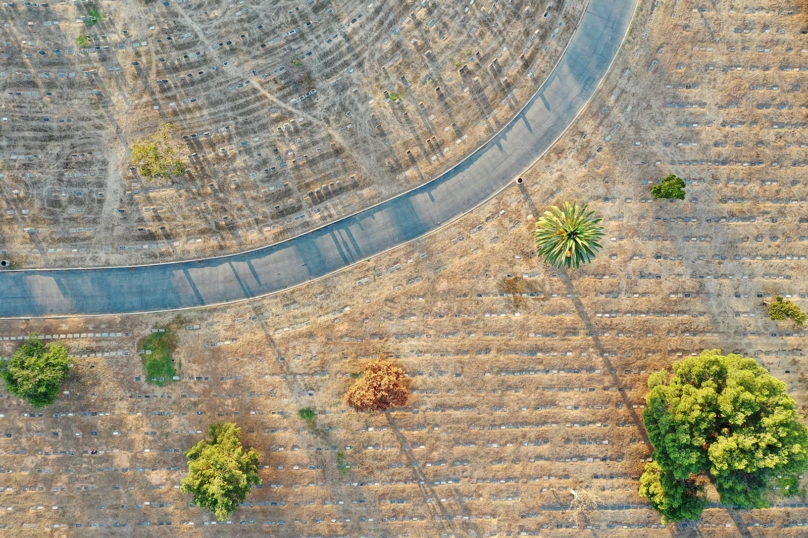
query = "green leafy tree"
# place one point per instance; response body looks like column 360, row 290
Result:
column 221, row 471
column 725, row 419
column 676, row 500
column 672, row 187
column 35, row 373
column 155, row 157
column 569, row 236
column 782, row 309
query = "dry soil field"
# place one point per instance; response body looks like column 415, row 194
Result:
column 288, row 114
column 527, row 382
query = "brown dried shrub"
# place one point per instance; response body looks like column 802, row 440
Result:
column 382, row 386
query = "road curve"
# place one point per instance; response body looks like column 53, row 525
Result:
column 188, row 284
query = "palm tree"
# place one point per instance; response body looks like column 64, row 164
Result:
column 568, row 236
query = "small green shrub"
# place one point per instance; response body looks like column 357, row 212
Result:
column 782, row 309
column 82, row 41
column 672, row 187
column 342, row 463
column 155, row 156
column 307, row 413
column 159, row 364
column 394, row 97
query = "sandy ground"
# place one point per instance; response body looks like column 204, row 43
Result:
column 527, row 381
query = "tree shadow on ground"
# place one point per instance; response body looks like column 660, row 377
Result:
column 592, row 333
column 438, row 510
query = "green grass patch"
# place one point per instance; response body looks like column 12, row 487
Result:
column 307, row 413
column 342, row 463
column 356, row 375
column 159, row 364
column 82, row 41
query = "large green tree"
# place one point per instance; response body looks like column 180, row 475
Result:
column 568, row 236
column 675, row 499
column 725, row 419
column 221, row 471
column 35, row 372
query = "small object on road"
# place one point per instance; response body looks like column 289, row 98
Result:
column 519, row 181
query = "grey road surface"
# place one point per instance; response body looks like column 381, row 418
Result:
column 118, row 290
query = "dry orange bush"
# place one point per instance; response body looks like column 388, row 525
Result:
column 383, row 386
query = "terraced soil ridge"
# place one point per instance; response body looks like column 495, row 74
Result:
column 120, row 290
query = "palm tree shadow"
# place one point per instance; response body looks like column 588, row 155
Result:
column 593, row 334
column 591, row 329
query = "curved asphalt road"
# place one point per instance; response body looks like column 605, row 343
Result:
column 119, row 290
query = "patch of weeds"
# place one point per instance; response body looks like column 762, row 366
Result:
column 94, row 15
column 296, row 62
column 308, row 414
column 159, row 364
column 394, row 96
column 156, row 156
column 458, row 63
column 342, row 463
column 82, row 41
column 356, row 375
